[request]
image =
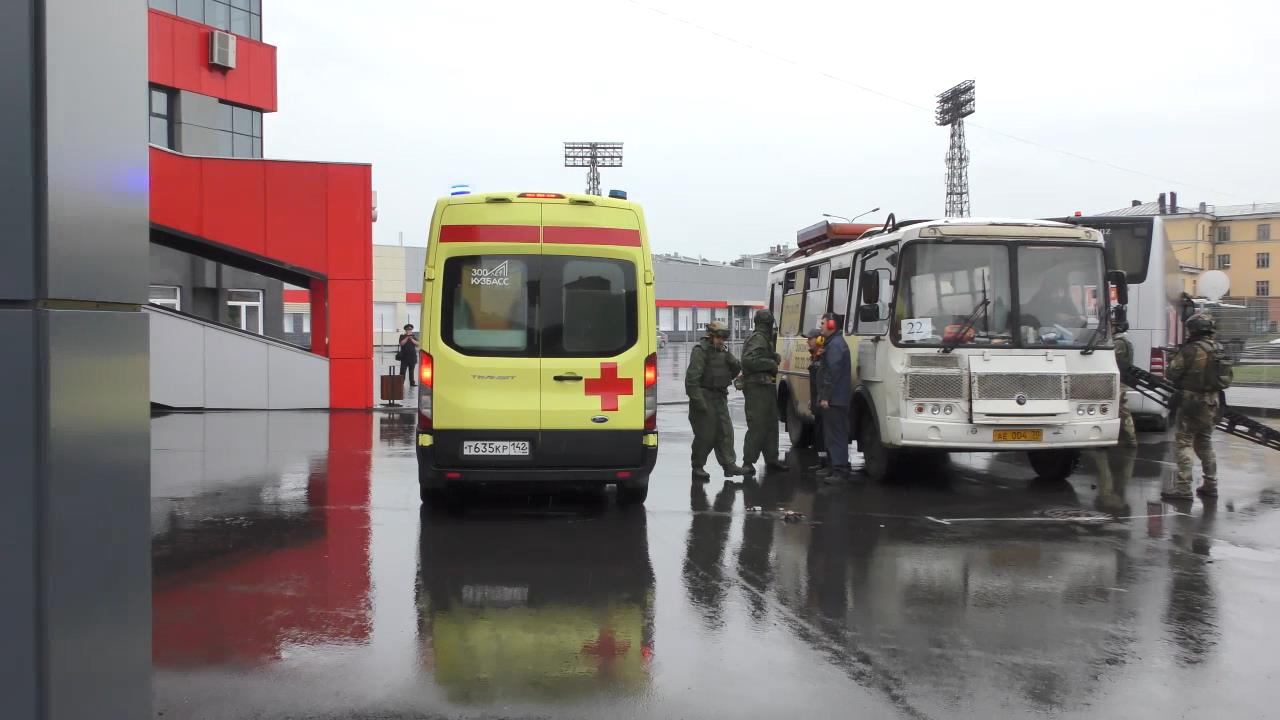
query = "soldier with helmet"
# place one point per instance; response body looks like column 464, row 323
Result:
column 759, row 385
column 712, row 369
column 1124, row 359
column 1200, row 371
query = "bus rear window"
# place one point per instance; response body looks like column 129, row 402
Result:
column 1128, row 247
column 487, row 305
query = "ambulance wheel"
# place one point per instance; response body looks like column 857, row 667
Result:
column 1053, row 465
column 632, row 495
column 437, row 499
column 800, row 432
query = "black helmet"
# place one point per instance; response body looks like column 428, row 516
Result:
column 1201, row 323
column 764, row 317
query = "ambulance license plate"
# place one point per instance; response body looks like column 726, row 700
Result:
column 515, row 448
column 1018, row 435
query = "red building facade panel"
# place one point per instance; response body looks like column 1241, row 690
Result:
column 178, row 57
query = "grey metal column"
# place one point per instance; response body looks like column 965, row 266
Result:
column 75, row 596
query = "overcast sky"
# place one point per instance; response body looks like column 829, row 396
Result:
column 743, row 122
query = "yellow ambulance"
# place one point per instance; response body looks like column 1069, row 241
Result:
column 539, row 361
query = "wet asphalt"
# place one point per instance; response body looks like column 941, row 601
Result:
column 294, row 577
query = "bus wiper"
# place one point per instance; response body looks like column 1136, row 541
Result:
column 958, row 336
column 1104, row 322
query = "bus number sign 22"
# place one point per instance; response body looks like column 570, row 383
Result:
column 916, row 329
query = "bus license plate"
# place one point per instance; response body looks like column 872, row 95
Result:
column 515, row 448
column 1018, row 435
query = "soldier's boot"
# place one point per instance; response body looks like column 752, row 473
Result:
column 1208, row 488
column 733, row 469
column 700, row 474
column 1181, row 490
column 748, row 470
column 776, row 465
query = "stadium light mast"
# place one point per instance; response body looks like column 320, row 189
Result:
column 593, row 156
column 954, row 106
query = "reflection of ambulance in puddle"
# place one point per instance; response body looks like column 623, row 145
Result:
column 562, row 610
column 539, row 358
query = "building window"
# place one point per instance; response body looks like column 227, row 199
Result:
column 1224, row 262
column 1264, row 231
column 169, row 296
column 244, row 310
column 684, row 319
column 1224, row 233
column 160, row 106
column 666, row 318
column 297, row 323
column 1263, row 287
column 703, row 316
column 242, row 17
column 1264, row 260
column 240, row 131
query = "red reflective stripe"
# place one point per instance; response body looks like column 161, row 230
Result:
column 413, row 297
column 692, row 303
column 591, row 236
column 489, row 233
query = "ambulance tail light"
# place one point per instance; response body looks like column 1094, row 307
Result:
column 542, row 195
column 651, row 392
column 1157, row 361
column 426, row 382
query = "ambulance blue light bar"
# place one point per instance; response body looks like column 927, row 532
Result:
column 618, row 194
column 455, row 190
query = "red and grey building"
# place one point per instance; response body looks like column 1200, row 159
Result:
column 232, row 232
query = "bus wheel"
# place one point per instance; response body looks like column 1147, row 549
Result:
column 875, row 456
column 632, row 495
column 1053, row 465
column 800, row 432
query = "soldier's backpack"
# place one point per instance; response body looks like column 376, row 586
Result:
column 1218, row 371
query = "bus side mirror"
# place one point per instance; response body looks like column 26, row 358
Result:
column 1120, row 316
column 870, row 287
column 869, row 312
column 1118, row 280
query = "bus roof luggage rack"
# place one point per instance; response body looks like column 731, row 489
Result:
column 824, row 235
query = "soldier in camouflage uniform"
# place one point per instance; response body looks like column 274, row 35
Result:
column 760, row 386
column 1199, row 406
column 712, row 369
column 1124, row 359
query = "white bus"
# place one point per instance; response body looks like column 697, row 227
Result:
column 966, row 335
column 1139, row 247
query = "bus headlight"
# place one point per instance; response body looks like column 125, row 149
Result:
column 1080, row 410
column 935, row 409
column 1105, row 409
column 1093, row 409
column 946, row 410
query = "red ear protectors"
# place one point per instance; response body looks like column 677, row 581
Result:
column 831, row 322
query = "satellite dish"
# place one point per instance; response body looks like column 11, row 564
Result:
column 1214, row 284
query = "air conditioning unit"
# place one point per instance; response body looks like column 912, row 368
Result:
column 222, row 49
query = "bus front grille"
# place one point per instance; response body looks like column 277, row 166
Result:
column 1093, row 386
column 1008, row 386
column 935, row 386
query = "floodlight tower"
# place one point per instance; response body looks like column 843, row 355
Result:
column 954, row 106
column 593, row 156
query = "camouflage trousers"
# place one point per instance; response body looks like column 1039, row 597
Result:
column 1128, row 434
column 1197, row 415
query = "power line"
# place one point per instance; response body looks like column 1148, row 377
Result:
column 886, row 96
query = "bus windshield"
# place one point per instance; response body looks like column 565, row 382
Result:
column 1060, row 292
column 947, row 284
column 960, row 294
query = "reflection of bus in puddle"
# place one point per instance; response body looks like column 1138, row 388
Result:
column 957, row 618
column 535, row 608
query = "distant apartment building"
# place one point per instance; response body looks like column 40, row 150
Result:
column 1240, row 240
